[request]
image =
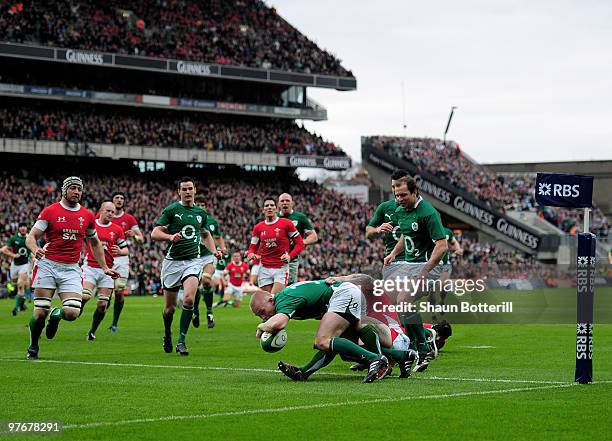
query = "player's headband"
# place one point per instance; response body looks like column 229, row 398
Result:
column 72, row 180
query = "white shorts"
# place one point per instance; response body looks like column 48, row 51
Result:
column 218, row 274
column 235, row 291
column 347, row 299
column 268, row 276
column 19, row 269
column 210, row 259
column 400, row 270
column 175, row 271
column 63, row 277
column 122, row 265
column 97, row 278
column 255, row 269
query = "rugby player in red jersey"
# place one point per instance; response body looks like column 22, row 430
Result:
column 129, row 224
column 94, row 280
column 270, row 240
column 64, row 225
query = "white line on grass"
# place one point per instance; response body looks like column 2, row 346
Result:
column 310, row 406
column 273, row 371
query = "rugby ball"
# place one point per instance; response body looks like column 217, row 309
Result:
column 273, row 342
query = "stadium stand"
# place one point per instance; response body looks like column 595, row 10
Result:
column 240, row 32
column 503, row 192
column 28, row 119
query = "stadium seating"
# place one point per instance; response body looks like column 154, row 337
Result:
column 503, row 192
column 239, row 32
column 42, row 120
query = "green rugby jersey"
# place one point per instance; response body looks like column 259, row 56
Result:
column 449, row 238
column 385, row 212
column 304, row 300
column 212, row 225
column 189, row 221
column 222, row 263
column 17, row 245
column 421, row 227
column 300, row 220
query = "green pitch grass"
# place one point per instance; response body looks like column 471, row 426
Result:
column 510, row 382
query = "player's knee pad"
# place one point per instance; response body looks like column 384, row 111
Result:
column 88, row 293
column 42, row 303
column 121, row 283
column 104, row 298
column 206, row 276
column 71, row 307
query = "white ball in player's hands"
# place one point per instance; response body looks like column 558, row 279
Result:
column 273, row 342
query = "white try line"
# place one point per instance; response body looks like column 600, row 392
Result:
column 312, row 406
column 269, row 371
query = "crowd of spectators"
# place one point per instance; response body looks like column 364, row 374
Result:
column 72, row 122
column 235, row 32
column 235, row 202
column 504, row 192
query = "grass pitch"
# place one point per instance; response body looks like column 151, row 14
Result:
column 490, row 382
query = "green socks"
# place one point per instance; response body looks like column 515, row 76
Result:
column 19, row 301
column 413, row 324
column 319, row 361
column 167, row 324
column 196, row 302
column 186, row 317
column 208, row 299
column 117, row 308
column 342, row 346
column 97, row 319
column 370, row 339
column 36, row 328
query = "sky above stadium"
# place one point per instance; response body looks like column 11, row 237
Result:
column 532, row 80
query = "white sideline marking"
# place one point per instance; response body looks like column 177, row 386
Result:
column 310, row 406
column 478, row 347
column 272, row 371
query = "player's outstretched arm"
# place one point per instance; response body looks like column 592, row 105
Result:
column 32, row 242
column 273, row 324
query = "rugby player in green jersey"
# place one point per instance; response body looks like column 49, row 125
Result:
column 423, row 244
column 16, row 249
column 206, row 285
column 183, row 225
column 304, row 227
column 384, row 223
column 340, row 307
